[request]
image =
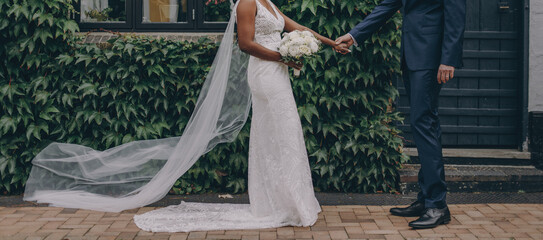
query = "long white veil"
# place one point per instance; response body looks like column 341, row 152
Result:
column 142, row 172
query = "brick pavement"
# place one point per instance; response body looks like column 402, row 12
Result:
column 469, row 221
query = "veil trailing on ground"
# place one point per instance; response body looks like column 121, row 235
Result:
column 142, row 172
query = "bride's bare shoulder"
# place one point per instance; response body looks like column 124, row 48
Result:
column 247, row 5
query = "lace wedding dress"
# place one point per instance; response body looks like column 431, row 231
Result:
column 280, row 187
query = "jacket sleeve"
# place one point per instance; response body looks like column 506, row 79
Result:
column 375, row 20
column 453, row 34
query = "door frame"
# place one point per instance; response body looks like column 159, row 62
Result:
column 523, row 141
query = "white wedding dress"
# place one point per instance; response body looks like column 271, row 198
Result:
column 280, row 187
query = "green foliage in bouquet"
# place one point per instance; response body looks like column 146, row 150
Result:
column 55, row 88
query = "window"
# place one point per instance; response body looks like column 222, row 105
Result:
column 153, row 15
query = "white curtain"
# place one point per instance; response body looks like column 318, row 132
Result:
column 173, row 11
column 146, row 14
column 87, row 5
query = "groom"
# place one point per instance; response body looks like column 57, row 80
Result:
column 431, row 49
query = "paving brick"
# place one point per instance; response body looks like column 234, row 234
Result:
column 342, row 224
column 394, row 237
column 56, row 236
column 98, row 228
column 328, row 228
column 197, row 235
column 9, row 221
column 321, row 235
column 474, row 221
column 75, row 226
column 335, row 234
column 210, row 236
column 332, row 219
column 354, row 230
column 79, row 232
column 365, row 236
column 51, row 219
column 179, row 236
column 249, row 237
column 242, row 232
column 474, row 214
column 378, row 232
column 30, row 227
column 33, row 238
column 369, row 226
column 106, row 238
column 303, row 234
column 409, row 234
column 383, row 223
column 52, row 225
column 7, row 231
column 466, row 236
column 268, row 235
column 285, row 231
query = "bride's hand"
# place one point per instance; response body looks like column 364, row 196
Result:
column 294, row 65
column 342, row 48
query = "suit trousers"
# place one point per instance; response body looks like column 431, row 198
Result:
column 423, row 92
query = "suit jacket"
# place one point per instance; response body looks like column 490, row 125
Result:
column 432, row 30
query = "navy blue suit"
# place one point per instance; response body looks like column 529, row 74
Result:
column 432, row 34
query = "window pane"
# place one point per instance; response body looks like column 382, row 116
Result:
column 164, row 11
column 217, row 10
column 103, row 10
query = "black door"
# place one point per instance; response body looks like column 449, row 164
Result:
column 481, row 107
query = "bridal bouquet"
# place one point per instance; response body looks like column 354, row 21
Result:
column 298, row 45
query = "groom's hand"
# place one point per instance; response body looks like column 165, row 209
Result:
column 344, row 42
column 444, row 73
column 345, row 39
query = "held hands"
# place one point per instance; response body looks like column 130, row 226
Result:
column 444, row 73
column 342, row 48
column 343, row 43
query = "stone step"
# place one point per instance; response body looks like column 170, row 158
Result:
column 459, row 156
column 479, row 178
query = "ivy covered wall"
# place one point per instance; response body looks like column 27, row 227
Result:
column 53, row 87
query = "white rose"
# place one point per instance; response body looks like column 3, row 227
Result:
column 286, row 37
column 294, row 51
column 314, row 47
column 305, row 50
column 308, row 34
column 298, row 41
column 283, row 50
column 294, row 34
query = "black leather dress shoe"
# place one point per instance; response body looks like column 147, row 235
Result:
column 432, row 218
column 416, row 209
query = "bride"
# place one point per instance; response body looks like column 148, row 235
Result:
column 139, row 173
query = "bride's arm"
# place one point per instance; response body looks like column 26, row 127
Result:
column 246, row 13
column 291, row 25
